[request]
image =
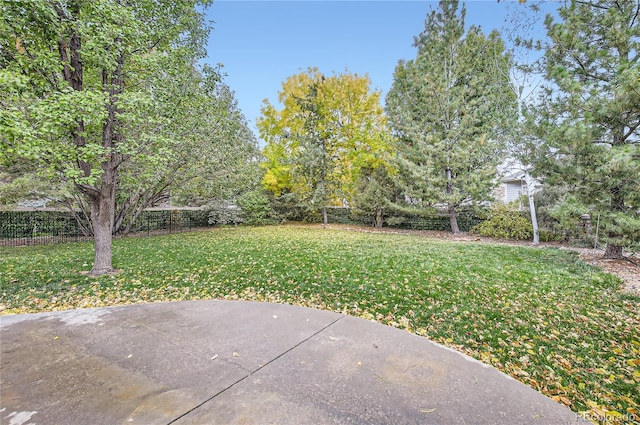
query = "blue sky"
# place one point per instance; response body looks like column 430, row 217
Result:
column 261, row 43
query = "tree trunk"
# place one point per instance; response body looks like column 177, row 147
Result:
column 102, row 216
column 613, row 252
column 378, row 219
column 325, row 219
column 453, row 219
column 532, row 208
column 102, row 237
column 103, row 197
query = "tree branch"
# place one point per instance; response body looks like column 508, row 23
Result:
column 88, row 190
column 635, row 15
column 590, row 4
column 632, row 130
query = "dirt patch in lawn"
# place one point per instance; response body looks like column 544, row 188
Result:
column 627, row 269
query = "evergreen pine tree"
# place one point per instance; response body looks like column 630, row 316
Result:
column 447, row 108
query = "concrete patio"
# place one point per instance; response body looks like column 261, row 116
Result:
column 236, row 362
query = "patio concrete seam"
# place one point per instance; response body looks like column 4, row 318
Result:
column 259, row 368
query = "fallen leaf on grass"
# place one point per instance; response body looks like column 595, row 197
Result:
column 562, row 399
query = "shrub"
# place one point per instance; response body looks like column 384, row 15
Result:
column 555, row 221
column 549, row 236
column 256, row 208
column 504, row 221
column 289, row 207
column 395, row 221
column 223, row 212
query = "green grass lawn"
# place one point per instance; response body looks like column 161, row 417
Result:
column 540, row 315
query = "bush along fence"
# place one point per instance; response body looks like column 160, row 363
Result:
column 41, row 227
column 466, row 221
column 19, row 228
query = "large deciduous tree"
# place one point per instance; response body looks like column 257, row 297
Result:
column 328, row 130
column 591, row 114
column 215, row 155
column 448, row 108
column 80, row 81
column 223, row 162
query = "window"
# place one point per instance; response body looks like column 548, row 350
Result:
column 513, row 190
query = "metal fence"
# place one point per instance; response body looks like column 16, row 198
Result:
column 169, row 221
column 38, row 227
column 19, row 228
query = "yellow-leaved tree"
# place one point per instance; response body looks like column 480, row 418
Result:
column 327, row 131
